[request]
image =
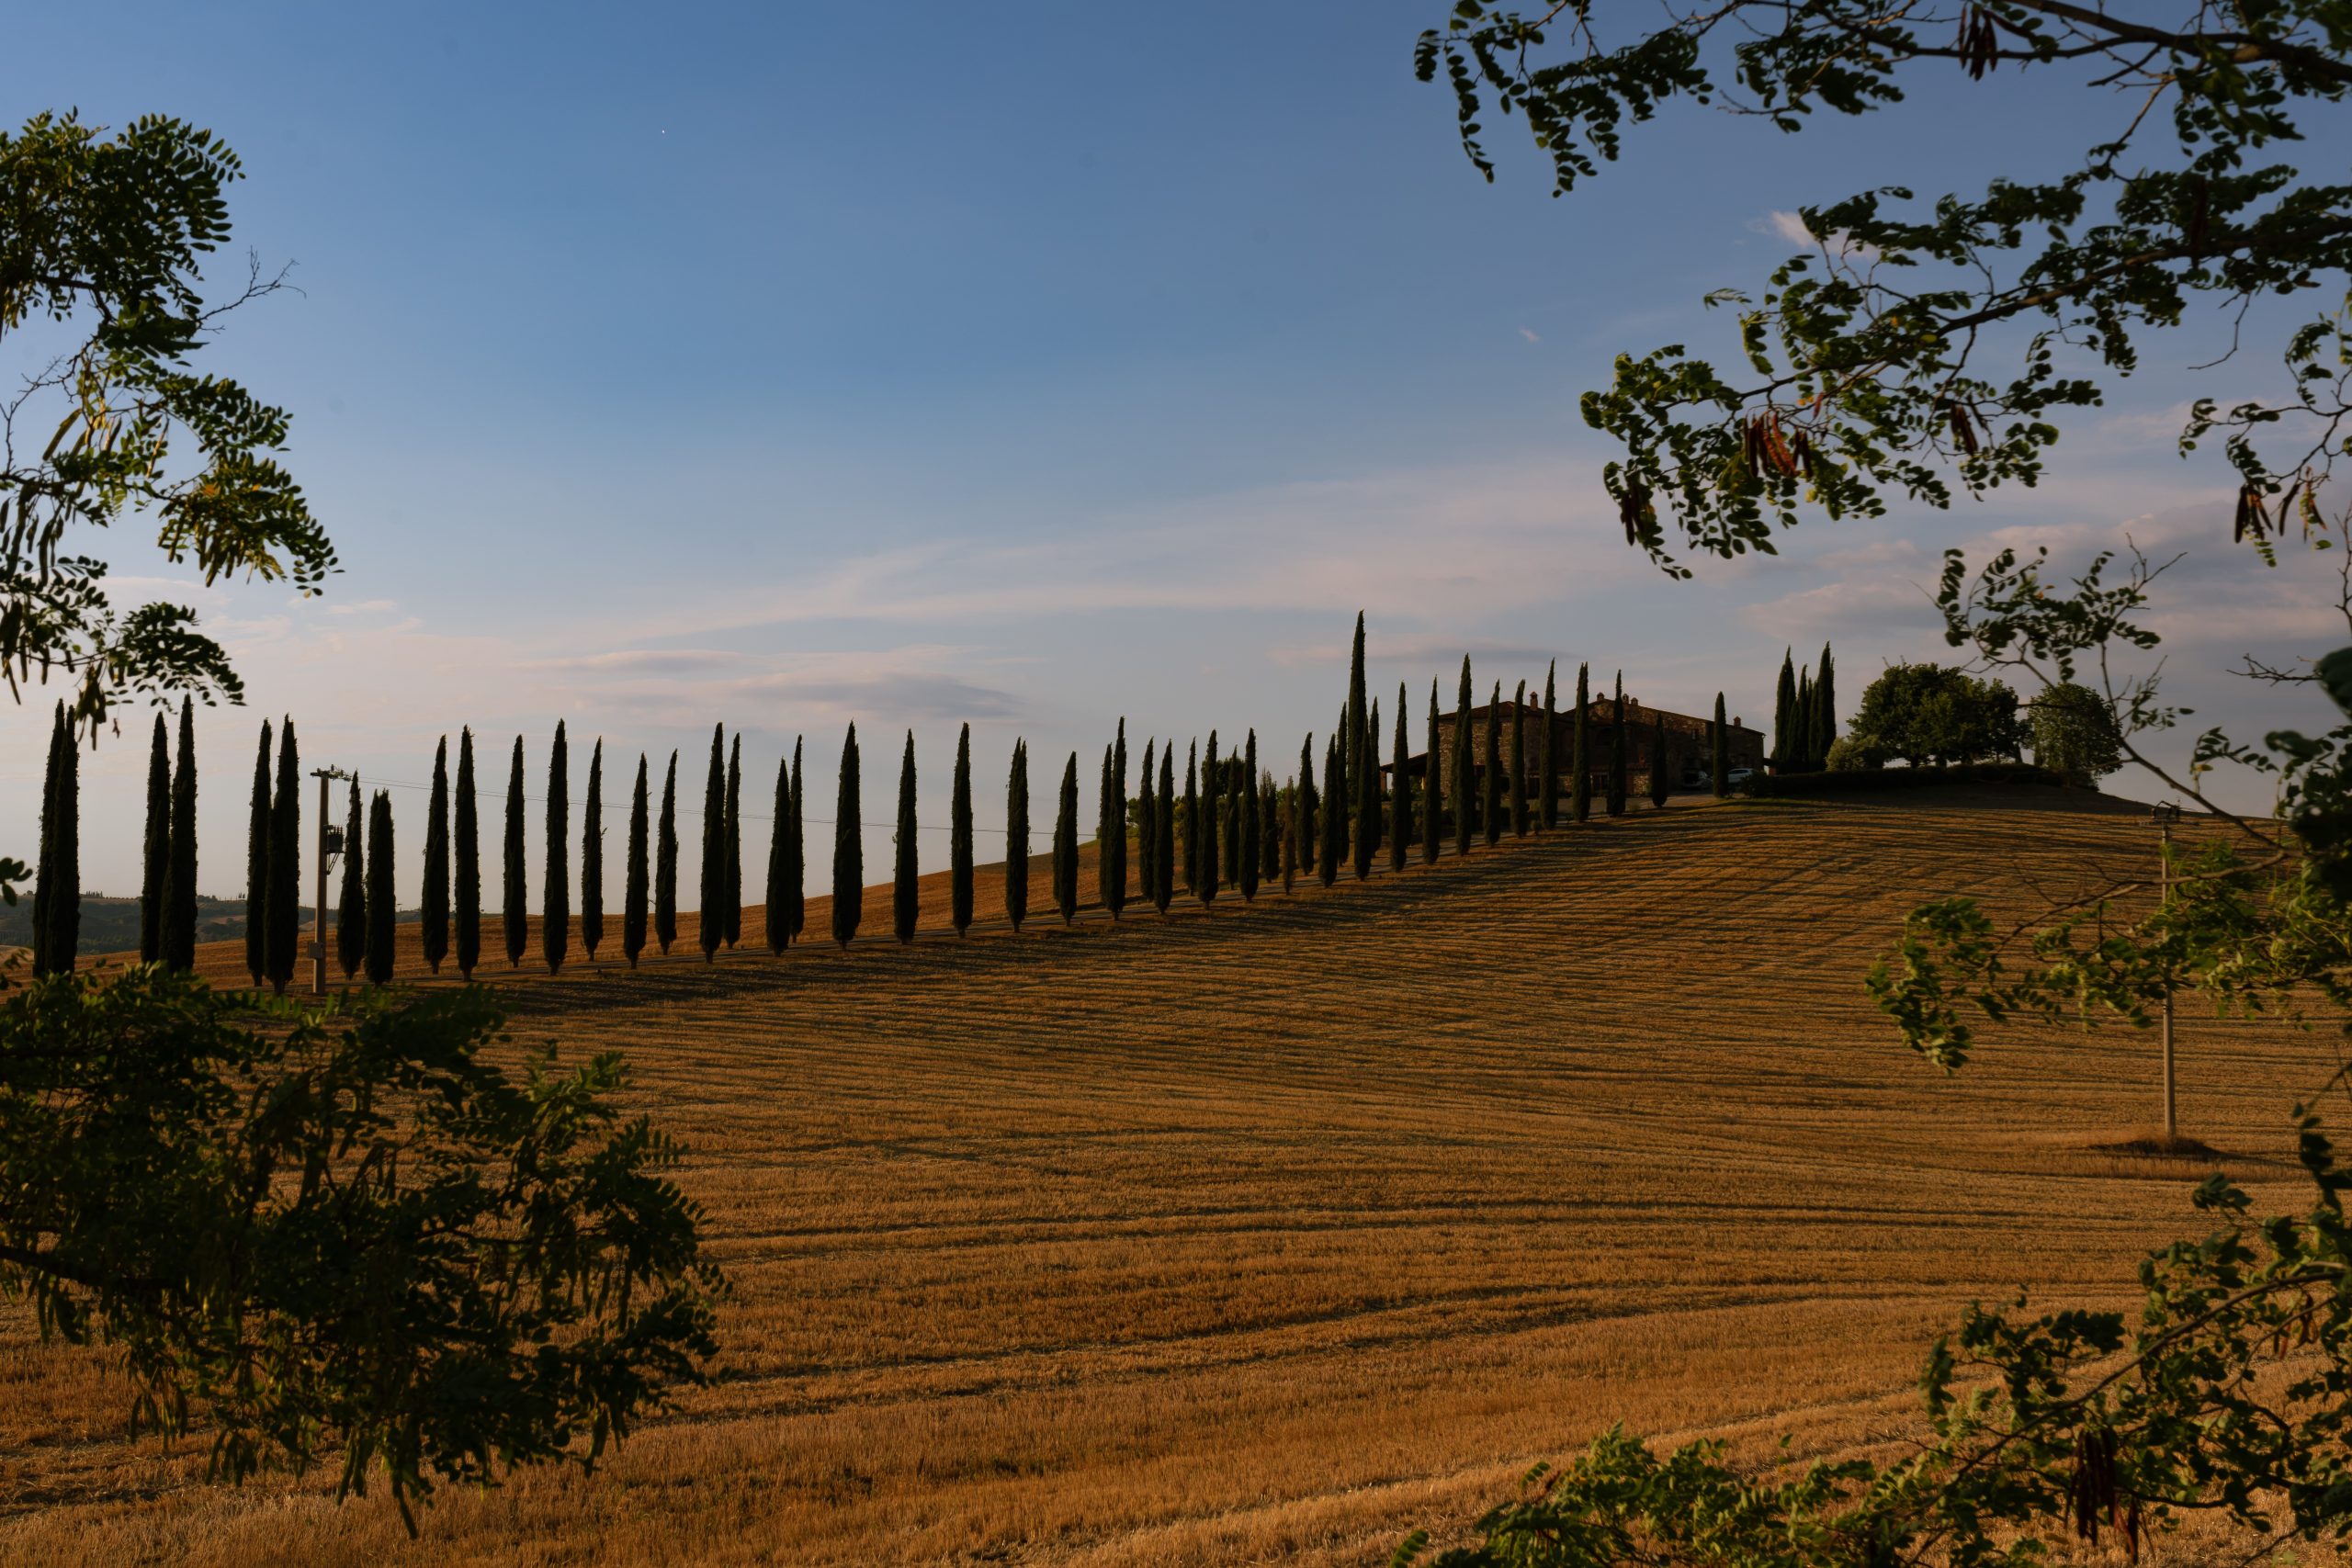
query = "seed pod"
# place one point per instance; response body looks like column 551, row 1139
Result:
column 1961, row 429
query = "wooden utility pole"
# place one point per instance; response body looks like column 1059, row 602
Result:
column 330, row 845
column 2166, row 815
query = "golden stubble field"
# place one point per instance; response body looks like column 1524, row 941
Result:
column 1261, row 1234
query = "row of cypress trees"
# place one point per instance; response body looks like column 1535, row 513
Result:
column 1238, row 827
column 1804, row 714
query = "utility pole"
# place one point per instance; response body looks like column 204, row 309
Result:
column 331, row 845
column 2166, row 815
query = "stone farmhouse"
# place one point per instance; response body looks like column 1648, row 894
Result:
column 1689, row 747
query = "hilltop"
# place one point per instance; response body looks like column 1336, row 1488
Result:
column 1261, row 1234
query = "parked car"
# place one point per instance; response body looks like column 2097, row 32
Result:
column 1739, row 776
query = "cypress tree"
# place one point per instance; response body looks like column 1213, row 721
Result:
column 1239, row 803
column 1400, row 792
column 1580, row 751
column 1212, row 804
column 1269, row 830
column 665, row 862
column 1824, row 709
column 1103, row 857
column 57, row 895
column 1148, row 828
column 1066, row 842
column 1661, row 781
column 1115, row 897
column 179, row 882
column 383, row 898
column 712, row 927
column 555, row 906
column 1163, row 877
column 1359, row 755
column 776, row 910
column 637, row 879
column 1246, row 804
column 257, row 865
column 1719, row 752
column 1309, row 816
column 906, row 896
column 730, row 885
column 1193, row 820
column 1547, row 788
column 795, row 853
column 1460, row 781
column 515, row 911
column 1016, row 837
column 1335, row 822
column 285, row 902
column 1490, row 770
column 1367, row 787
column 1785, row 703
column 433, row 905
column 1620, row 751
column 466, row 850
column 959, row 836
column 157, row 859
column 1519, row 761
column 351, row 910
column 1432, row 812
column 849, row 848
column 1290, row 840
column 591, row 854
column 1338, row 794
column 1800, row 725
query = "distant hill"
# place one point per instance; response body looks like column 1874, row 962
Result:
column 111, row 925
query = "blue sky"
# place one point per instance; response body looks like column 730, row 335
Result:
column 781, row 366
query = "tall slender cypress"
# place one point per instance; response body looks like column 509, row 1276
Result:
column 1580, row 751
column 1367, row 796
column 57, row 895
column 776, row 910
column 730, row 882
column 1309, row 814
column 1115, row 887
column 1359, row 755
column 433, row 904
column 1289, row 836
column 1490, row 770
column 1824, row 727
column 156, row 860
column 383, row 897
column 555, row 904
column 1800, row 725
column 591, row 854
column 465, row 847
column 1103, row 857
column 906, row 891
column 256, row 864
column 1433, row 814
column 849, row 847
column 959, row 836
column 1269, row 827
column 1719, row 752
column 1066, row 842
column 795, row 853
column 1620, row 750
column 712, row 926
column 1464, row 818
column 1016, row 836
column 1400, row 792
column 1547, row 788
column 1335, row 821
column 637, row 879
column 1211, row 803
column 1661, row 780
column 1163, row 876
column 1244, row 800
column 514, row 909
column 1148, row 826
column 665, row 862
column 1784, row 705
column 1192, row 819
column 179, row 881
column 285, row 903
column 1519, row 763
column 351, row 906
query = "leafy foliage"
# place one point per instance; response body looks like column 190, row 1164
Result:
column 104, row 239
column 1933, row 714
column 345, row 1236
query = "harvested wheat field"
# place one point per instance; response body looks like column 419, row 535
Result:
column 1260, row 1234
